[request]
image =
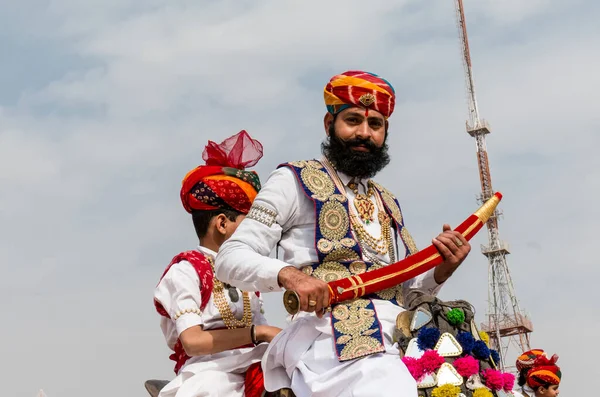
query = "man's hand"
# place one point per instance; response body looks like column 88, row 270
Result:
column 454, row 248
column 313, row 293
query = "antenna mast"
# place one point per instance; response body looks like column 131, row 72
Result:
column 506, row 325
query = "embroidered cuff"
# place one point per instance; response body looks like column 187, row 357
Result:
column 188, row 319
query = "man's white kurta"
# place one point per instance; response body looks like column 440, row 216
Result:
column 303, row 355
column 220, row 374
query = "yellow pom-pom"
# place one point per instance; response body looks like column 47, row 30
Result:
column 485, row 337
column 481, row 392
column 446, row 391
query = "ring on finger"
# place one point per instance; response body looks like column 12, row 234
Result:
column 312, row 303
column 458, row 242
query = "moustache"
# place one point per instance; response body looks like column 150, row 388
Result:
column 361, row 142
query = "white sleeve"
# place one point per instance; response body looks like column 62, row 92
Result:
column 423, row 282
column 179, row 294
column 243, row 259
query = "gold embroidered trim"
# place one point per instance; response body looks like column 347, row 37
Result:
column 388, row 199
column 333, row 221
column 325, row 246
column 355, row 321
column 314, row 164
column 262, row 214
column 331, row 271
column 318, row 183
column 392, row 293
column 408, row 240
column 357, row 267
column 341, row 254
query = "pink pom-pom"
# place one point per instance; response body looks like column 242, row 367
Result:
column 414, row 367
column 466, row 366
column 431, row 361
column 493, row 379
column 509, row 381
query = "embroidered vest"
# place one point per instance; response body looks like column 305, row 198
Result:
column 356, row 328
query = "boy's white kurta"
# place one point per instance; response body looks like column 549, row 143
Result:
column 523, row 391
column 303, row 356
column 220, row 374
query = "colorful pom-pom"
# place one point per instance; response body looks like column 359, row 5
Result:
column 455, row 316
column 431, row 361
column 481, row 392
column 480, row 350
column 493, row 379
column 466, row 366
column 509, row 381
column 485, row 337
column 446, row 391
column 427, row 338
column 495, row 356
column 467, row 341
column 414, row 367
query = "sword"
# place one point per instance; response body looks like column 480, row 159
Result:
column 396, row 273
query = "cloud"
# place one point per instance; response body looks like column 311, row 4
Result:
column 111, row 102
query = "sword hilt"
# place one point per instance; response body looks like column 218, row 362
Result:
column 291, row 301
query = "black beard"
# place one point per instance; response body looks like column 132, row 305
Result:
column 357, row 164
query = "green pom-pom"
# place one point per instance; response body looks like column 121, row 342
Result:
column 455, row 316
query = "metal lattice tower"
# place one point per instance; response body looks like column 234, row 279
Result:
column 506, row 324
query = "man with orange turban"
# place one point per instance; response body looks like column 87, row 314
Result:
column 215, row 330
column 332, row 221
column 539, row 376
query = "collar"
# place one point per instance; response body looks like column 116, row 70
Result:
column 207, row 251
column 528, row 391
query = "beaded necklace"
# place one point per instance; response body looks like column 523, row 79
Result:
column 223, row 306
column 381, row 245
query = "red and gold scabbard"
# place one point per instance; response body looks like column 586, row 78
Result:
column 396, row 273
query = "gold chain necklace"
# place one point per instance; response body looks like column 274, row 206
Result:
column 223, row 306
column 381, row 245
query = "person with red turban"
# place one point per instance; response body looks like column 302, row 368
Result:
column 215, row 330
column 539, row 375
column 329, row 220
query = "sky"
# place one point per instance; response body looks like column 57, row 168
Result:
column 106, row 104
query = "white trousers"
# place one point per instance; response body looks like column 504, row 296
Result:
column 303, row 358
column 206, row 384
column 217, row 375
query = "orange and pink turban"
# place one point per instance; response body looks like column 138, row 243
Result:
column 224, row 183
